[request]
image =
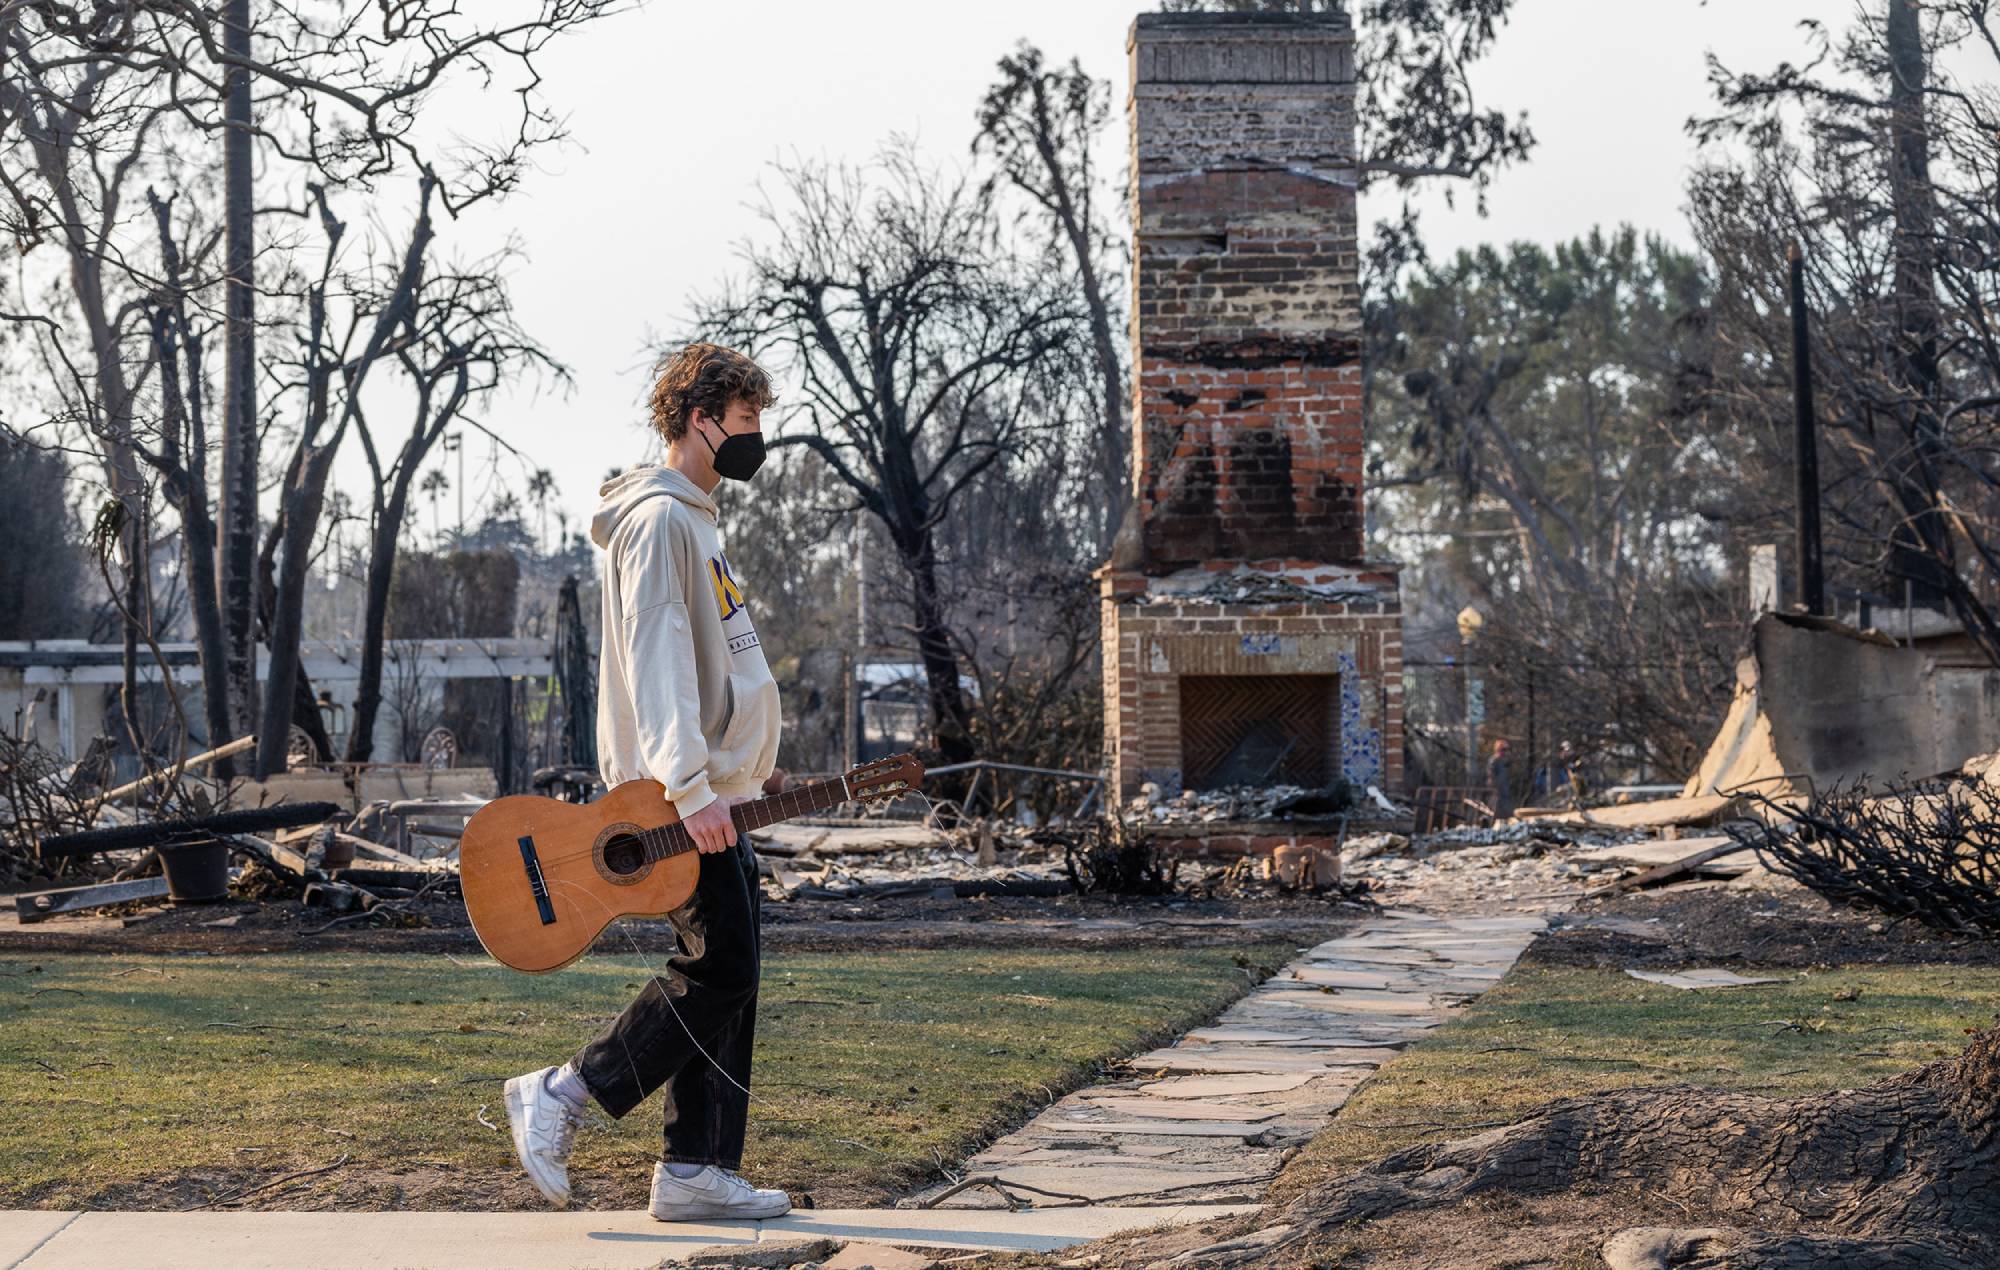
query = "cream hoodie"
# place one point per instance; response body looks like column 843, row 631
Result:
column 683, row 694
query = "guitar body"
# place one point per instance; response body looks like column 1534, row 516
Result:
column 591, row 870
column 542, row 878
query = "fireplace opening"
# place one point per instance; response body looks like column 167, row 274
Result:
column 1259, row 730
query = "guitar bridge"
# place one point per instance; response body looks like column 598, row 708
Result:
column 536, row 882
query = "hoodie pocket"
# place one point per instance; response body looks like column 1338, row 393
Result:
column 749, row 738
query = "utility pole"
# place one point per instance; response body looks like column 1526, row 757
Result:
column 1812, row 577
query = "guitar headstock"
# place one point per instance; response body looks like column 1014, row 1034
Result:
column 885, row 777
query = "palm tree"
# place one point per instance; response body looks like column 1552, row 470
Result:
column 540, row 486
column 434, row 485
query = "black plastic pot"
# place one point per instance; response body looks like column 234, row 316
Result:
column 197, row 872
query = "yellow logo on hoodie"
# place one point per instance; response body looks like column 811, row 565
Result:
column 728, row 595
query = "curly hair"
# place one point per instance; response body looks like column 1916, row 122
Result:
column 705, row 377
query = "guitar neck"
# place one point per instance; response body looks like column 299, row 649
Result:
column 671, row 840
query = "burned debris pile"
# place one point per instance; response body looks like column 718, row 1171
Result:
column 69, row 845
column 1232, row 843
column 1111, row 857
column 317, row 857
column 38, row 794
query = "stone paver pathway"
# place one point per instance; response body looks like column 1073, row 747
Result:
column 1210, row 1119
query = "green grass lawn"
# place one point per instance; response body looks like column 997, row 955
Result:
column 165, row 1081
column 1552, row 1032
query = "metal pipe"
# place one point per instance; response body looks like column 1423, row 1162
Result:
column 199, row 760
column 1812, row 576
column 1012, row 767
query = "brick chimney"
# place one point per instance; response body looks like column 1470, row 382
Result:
column 1246, row 639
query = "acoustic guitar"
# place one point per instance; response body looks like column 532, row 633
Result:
column 542, row 878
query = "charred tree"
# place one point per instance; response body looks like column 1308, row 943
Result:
column 456, row 341
column 1038, row 124
column 333, row 376
column 927, row 354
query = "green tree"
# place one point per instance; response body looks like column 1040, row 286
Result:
column 42, row 573
column 1540, row 435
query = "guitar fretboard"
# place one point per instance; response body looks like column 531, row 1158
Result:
column 672, row 840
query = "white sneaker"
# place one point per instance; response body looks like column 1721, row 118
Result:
column 544, row 1126
column 712, row 1195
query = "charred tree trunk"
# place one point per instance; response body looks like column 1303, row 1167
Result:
column 375, row 616
column 951, row 731
column 1111, row 433
column 1922, row 550
column 304, row 710
column 1873, row 1173
column 183, row 467
column 1911, row 202
column 299, row 516
column 135, row 611
column 198, row 548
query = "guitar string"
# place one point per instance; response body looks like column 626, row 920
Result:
column 573, row 856
column 570, row 857
column 631, row 1063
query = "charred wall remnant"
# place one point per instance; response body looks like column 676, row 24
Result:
column 1244, row 553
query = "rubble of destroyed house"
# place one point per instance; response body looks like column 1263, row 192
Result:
column 124, row 855
column 353, row 847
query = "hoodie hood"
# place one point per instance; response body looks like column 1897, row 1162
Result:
column 619, row 495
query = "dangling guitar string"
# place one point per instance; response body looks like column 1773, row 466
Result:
column 662, row 982
column 666, row 996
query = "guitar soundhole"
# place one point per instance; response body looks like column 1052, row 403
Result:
column 619, row 856
column 624, row 856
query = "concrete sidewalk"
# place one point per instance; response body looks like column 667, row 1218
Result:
column 36, row 1240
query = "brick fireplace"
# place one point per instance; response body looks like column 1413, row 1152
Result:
column 1246, row 639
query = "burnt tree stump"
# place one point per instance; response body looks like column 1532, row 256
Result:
column 1899, row 1173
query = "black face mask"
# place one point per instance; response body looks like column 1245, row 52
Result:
column 739, row 456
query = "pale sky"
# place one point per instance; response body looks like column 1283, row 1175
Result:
column 677, row 110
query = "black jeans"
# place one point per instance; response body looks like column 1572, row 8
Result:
column 707, row 1001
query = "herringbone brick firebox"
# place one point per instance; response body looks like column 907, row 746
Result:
column 1246, row 639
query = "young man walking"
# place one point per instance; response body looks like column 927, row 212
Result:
column 684, row 698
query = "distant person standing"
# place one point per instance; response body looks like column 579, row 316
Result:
column 1500, row 775
column 1570, row 775
column 1560, row 780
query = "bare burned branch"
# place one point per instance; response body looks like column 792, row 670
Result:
column 1927, row 852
